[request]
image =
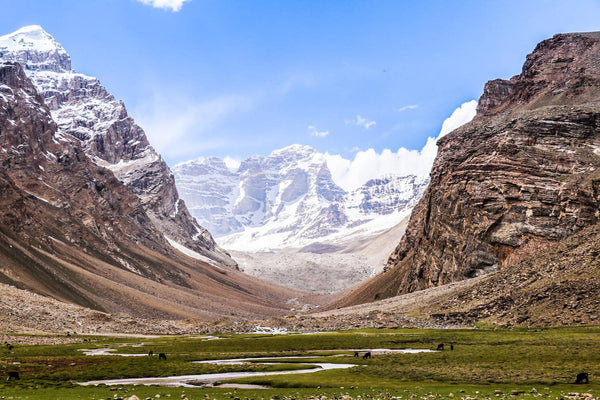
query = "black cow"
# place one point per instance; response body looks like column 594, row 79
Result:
column 151, row 353
column 583, row 377
column 356, row 354
column 451, row 346
column 367, row 355
column 440, row 347
column 162, row 356
column 13, row 375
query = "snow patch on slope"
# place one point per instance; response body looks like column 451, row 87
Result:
column 191, row 253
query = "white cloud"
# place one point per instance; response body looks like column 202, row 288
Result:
column 408, row 107
column 313, row 131
column 368, row 164
column 232, row 163
column 179, row 126
column 174, row 5
column 460, row 116
column 360, row 121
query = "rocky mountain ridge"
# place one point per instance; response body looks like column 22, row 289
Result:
column 84, row 109
column 518, row 179
column 70, row 230
column 289, row 199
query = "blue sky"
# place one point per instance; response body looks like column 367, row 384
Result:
column 236, row 78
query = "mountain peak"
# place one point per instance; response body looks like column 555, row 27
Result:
column 295, row 150
column 30, row 28
column 36, row 48
column 561, row 70
column 30, row 37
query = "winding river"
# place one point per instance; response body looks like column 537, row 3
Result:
column 210, row 379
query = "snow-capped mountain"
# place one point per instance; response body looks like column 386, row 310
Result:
column 84, row 109
column 289, row 199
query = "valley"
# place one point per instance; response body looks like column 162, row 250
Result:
column 297, row 273
column 502, row 232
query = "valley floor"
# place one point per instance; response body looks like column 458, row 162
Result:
column 483, row 364
column 30, row 313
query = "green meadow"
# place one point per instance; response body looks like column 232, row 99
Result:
column 486, row 363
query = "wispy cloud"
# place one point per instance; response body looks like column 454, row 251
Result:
column 313, row 131
column 360, row 121
column 173, row 5
column 179, row 126
column 369, row 164
column 408, row 107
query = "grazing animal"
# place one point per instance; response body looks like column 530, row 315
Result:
column 367, row 355
column 451, row 346
column 162, row 356
column 150, row 353
column 10, row 347
column 440, row 347
column 13, row 375
column 584, row 376
column 356, row 354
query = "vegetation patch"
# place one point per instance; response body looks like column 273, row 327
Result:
column 484, row 363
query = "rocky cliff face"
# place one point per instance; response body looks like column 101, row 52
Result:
column 563, row 70
column 289, row 199
column 52, row 193
column 522, row 176
column 85, row 110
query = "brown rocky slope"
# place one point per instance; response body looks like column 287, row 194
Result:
column 72, row 231
column 513, row 183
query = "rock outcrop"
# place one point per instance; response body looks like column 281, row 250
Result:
column 523, row 175
column 85, row 110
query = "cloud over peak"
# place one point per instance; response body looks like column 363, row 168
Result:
column 362, row 122
column 368, row 164
column 173, row 5
column 313, row 131
column 408, row 107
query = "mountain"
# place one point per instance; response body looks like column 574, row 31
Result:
column 69, row 229
column 289, row 199
column 84, row 109
column 514, row 194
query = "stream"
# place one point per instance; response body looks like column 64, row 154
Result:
column 210, row 379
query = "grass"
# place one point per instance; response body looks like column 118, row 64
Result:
column 483, row 361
